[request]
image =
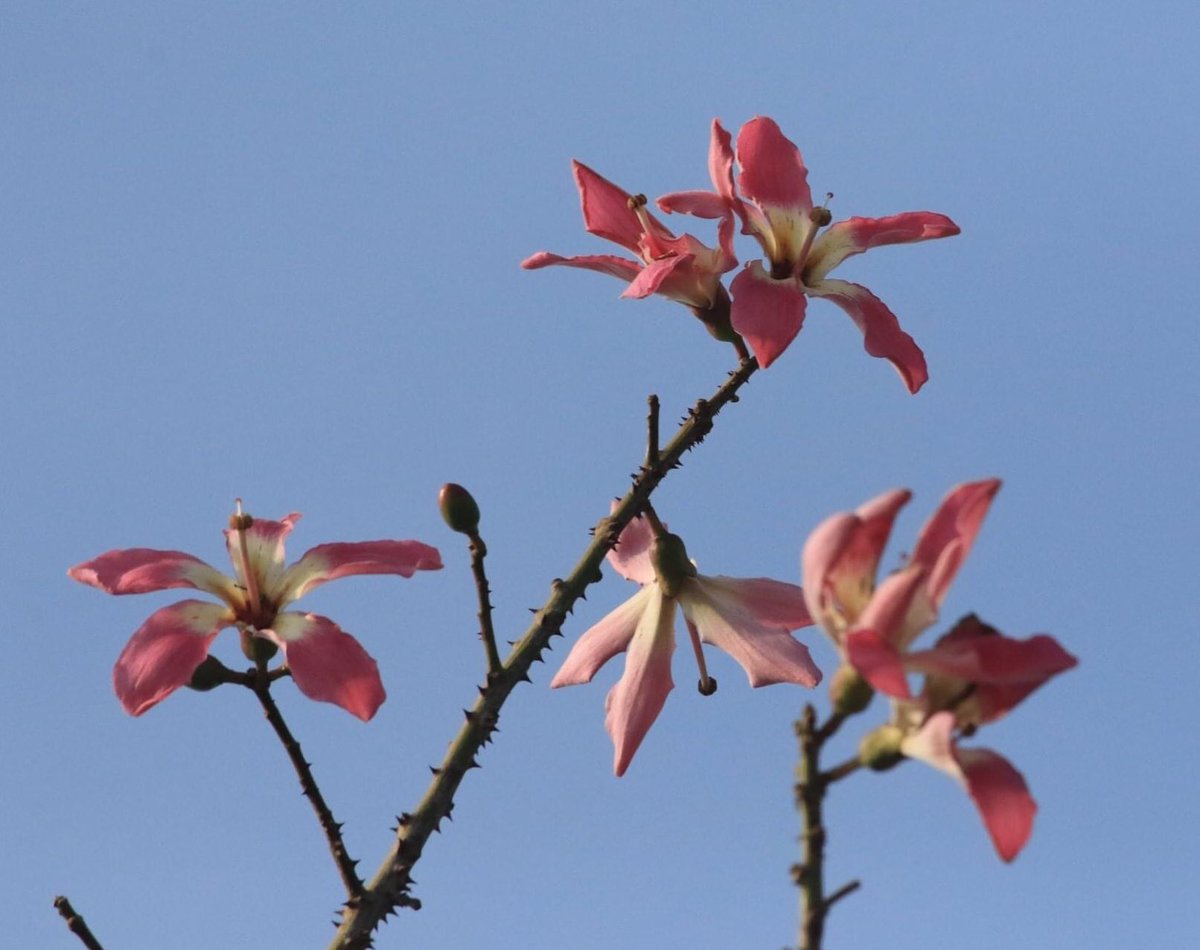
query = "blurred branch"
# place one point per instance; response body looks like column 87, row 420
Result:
column 389, row 887
column 76, row 924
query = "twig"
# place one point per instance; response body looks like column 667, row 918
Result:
column 308, row 784
column 652, row 432
column 76, row 924
column 388, row 888
column 487, row 632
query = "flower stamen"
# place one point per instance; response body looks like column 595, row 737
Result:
column 654, row 249
column 239, row 522
column 707, row 684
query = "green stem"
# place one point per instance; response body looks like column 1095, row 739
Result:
column 389, row 887
column 487, row 632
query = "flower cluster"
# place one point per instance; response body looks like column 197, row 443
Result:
column 327, row 663
column 771, row 199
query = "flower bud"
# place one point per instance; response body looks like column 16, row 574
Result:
column 880, row 749
column 849, row 691
column 256, row 649
column 671, row 564
column 459, row 509
column 208, row 675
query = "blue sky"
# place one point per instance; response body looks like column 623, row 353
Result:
column 270, row 251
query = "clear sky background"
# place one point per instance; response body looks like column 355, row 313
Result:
column 270, row 251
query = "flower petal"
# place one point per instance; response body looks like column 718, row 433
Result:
column 164, row 652
column 630, row 556
column 841, row 557
column 327, row 663
column 855, row 235
column 878, row 661
column 773, row 603
column 601, row 642
column 651, row 277
column 773, row 171
column 997, row 789
column 618, row 267
column 882, row 336
column 328, row 562
column 606, row 211
column 726, row 617
column 947, row 537
column 139, row 570
column 637, row 698
column 768, row 313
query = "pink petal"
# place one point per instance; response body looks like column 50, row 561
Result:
column 720, row 161
column 725, row 617
column 773, row 173
column 841, row 557
column 878, row 661
column 606, row 639
column 637, row 698
column 997, row 789
column 328, row 562
column 701, row 204
column 139, row 570
column 327, row 663
column 606, row 211
column 164, row 652
column 855, row 235
column 1002, row 797
column 651, row 278
column 882, row 336
column 947, row 537
column 773, row 603
column 768, row 313
column 630, row 557
column 618, row 267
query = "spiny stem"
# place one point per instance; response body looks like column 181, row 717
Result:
column 652, row 431
column 388, row 888
column 308, row 784
column 76, row 924
column 487, row 632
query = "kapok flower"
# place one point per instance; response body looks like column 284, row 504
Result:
column 681, row 268
column 327, row 663
column 769, row 297
column 748, row 618
column 974, row 676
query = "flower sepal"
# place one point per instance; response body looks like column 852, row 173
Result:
column 671, row 564
column 879, row 749
column 849, row 692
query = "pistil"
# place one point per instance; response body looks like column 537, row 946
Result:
column 240, row 522
column 655, row 249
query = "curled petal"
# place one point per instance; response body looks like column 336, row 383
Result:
column 630, row 556
column 995, row 786
column 882, row 336
column 841, row 557
column 773, row 172
column 889, row 607
column 768, row 313
column 139, row 570
column 947, row 537
column 637, row 698
column 328, row 562
column 650, row 279
column 327, row 663
column 602, row 642
column 701, row 204
column 164, row 652
column 878, row 661
column 855, row 235
column 618, row 267
column 726, row 617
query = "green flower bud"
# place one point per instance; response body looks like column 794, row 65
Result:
column 849, row 691
column 459, row 509
column 208, row 675
column 880, row 749
column 256, row 649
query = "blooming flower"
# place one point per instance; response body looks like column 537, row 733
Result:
column 749, row 619
column 681, row 268
column 769, row 297
column 974, row 674
column 326, row 662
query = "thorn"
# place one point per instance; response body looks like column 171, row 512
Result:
column 435, row 770
column 470, row 716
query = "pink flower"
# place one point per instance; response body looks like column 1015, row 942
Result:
column 680, row 268
column 749, row 619
column 769, row 297
column 326, row 662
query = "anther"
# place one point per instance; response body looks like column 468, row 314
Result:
column 707, row 684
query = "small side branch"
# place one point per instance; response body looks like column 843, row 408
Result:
column 308, row 784
column 487, row 632
column 652, row 431
column 76, row 924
